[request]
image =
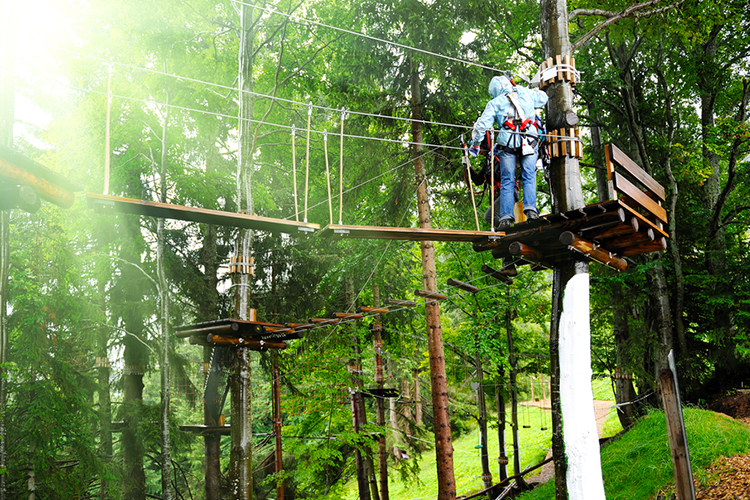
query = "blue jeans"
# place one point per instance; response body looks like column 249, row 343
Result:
column 504, row 205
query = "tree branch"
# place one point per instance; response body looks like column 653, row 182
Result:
column 632, row 11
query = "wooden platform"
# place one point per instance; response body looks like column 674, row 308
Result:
column 115, row 204
column 613, row 229
column 406, row 233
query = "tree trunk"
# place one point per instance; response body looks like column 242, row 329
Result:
column 570, row 315
column 103, row 373
column 377, row 328
column 500, row 403
column 166, row 456
column 135, row 360
column 355, row 367
column 7, row 119
column 482, row 408
column 624, row 390
column 208, row 311
column 240, row 458
column 418, row 418
column 439, row 386
column 513, row 391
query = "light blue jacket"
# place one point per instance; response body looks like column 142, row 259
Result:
column 500, row 109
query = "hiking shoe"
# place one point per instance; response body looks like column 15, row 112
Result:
column 531, row 214
column 504, row 225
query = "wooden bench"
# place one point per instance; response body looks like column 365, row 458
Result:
column 638, row 192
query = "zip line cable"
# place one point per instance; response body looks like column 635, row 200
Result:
column 256, row 94
column 369, row 37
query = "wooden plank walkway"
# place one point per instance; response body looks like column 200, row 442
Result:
column 116, row 204
column 611, row 230
column 406, row 233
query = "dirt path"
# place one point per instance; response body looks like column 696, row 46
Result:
column 601, row 410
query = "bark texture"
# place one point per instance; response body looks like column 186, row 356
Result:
column 441, row 422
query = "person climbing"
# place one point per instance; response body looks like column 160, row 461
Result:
column 512, row 107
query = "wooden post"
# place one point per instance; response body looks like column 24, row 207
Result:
column 670, row 395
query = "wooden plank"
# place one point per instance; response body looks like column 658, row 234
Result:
column 405, row 233
column 204, row 215
column 612, row 194
column 639, row 197
column 637, row 172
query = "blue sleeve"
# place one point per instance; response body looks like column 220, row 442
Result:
column 540, row 98
column 484, row 123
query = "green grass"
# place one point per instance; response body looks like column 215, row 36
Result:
column 638, row 465
column 534, row 444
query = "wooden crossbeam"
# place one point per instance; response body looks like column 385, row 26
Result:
column 467, row 287
column 591, row 251
column 430, row 295
column 116, row 204
column 498, row 275
column 252, row 344
column 372, row 310
column 405, row 233
column 345, row 316
column 402, row 303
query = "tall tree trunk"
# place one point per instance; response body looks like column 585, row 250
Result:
column 135, row 359
column 624, row 390
column 570, row 327
column 482, row 408
column 439, row 386
column 418, row 413
column 103, row 373
column 355, row 367
column 513, row 392
column 208, row 311
column 7, row 119
column 377, row 328
column 240, row 466
column 166, row 455
column 502, row 457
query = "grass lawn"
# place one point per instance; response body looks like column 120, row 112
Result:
column 638, row 465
